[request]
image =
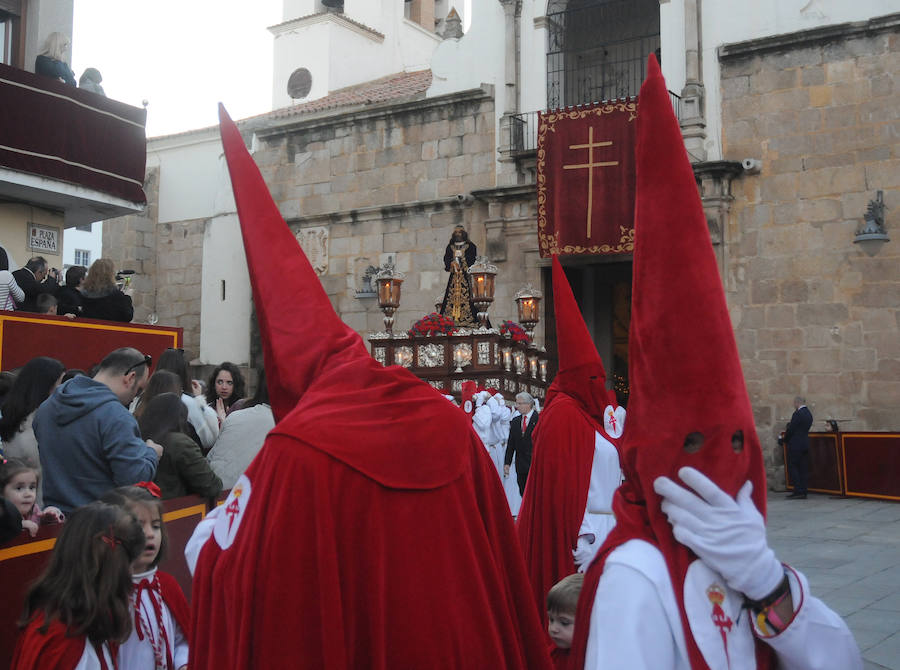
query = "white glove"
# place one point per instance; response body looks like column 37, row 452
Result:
column 728, row 535
column 585, row 550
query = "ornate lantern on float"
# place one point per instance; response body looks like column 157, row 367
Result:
column 388, row 281
column 482, row 274
column 528, row 300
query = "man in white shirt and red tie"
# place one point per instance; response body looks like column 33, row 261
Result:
column 519, row 444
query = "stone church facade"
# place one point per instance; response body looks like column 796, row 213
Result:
column 382, row 171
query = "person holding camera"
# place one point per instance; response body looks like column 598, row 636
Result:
column 36, row 278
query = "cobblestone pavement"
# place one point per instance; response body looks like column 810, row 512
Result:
column 849, row 549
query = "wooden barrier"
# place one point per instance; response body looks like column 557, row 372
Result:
column 871, row 465
column 855, row 464
column 24, row 559
column 78, row 343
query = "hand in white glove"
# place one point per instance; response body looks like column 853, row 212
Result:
column 728, row 535
column 585, row 550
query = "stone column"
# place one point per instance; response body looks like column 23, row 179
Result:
column 693, row 118
column 512, row 10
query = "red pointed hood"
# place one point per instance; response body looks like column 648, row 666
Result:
column 684, row 369
column 297, row 342
column 581, row 374
column 326, row 391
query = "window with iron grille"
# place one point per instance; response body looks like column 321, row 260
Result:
column 598, row 49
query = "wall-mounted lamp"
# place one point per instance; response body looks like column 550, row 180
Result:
column 872, row 234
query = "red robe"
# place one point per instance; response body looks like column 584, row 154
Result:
column 353, row 563
column 556, row 494
column 53, row 650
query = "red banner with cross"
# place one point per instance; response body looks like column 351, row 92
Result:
column 585, row 179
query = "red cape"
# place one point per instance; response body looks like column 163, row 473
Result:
column 174, row 598
column 353, row 573
column 52, row 650
column 556, row 494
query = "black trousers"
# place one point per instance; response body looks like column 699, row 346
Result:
column 798, row 468
column 522, row 476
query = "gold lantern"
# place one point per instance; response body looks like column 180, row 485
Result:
column 388, row 281
column 528, row 301
column 482, row 274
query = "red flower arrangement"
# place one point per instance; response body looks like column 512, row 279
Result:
column 515, row 331
column 431, row 324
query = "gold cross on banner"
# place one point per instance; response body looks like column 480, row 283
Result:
column 590, row 165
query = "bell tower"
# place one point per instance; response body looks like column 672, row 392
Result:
column 322, row 46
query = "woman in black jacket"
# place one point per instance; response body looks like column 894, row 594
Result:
column 101, row 298
column 182, row 469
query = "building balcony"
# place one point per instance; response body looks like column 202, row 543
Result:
column 523, row 129
column 68, row 150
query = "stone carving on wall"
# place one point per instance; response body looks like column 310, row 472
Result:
column 314, row 242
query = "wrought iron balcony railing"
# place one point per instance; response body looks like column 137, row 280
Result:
column 524, row 127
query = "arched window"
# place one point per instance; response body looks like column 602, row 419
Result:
column 598, row 49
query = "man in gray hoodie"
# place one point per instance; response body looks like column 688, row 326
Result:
column 88, row 440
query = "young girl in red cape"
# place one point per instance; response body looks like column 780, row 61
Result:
column 77, row 613
column 159, row 637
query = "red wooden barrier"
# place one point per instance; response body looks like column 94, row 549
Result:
column 78, row 343
column 23, row 559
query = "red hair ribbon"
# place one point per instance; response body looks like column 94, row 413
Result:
column 151, row 487
column 110, row 538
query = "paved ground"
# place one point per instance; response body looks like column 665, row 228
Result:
column 849, row 549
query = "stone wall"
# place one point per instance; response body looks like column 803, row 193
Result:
column 814, row 315
column 166, row 259
column 391, row 183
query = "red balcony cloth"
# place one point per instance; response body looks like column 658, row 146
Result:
column 585, row 184
column 53, row 130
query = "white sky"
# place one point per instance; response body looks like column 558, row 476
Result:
column 183, row 56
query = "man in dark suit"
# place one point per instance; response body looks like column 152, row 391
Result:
column 519, row 443
column 33, row 279
column 796, row 441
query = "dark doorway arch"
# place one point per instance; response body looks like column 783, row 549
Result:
column 598, row 49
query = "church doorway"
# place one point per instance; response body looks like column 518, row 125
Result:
column 603, row 293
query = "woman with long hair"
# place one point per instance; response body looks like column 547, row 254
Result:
column 182, row 470
column 161, row 381
column 242, row 436
column 101, row 298
column 201, row 416
column 52, row 62
column 226, row 387
column 10, row 291
column 33, row 385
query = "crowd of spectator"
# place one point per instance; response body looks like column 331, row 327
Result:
column 68, row 438
column 92, row 294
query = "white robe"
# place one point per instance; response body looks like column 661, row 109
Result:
column 137, row 654
column 606, row 477
column 635, row 622
column 491, row 423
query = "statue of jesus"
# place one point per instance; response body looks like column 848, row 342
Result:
column 458, row 257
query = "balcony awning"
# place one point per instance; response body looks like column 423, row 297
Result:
column 59, row 132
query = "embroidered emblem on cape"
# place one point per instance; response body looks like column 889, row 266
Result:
column 716, row 596
column 717, row 620
column 467, row 408
column 228, row 524
column 614, row 421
